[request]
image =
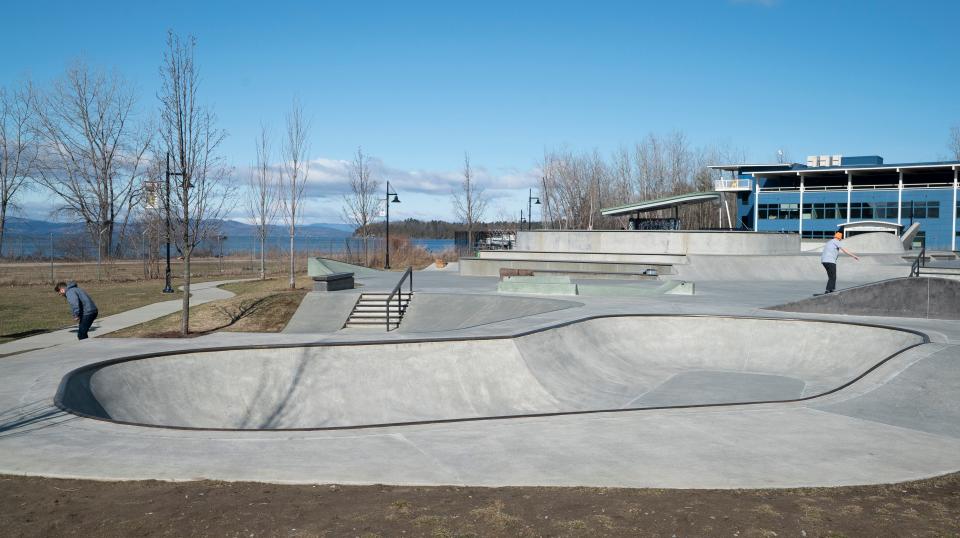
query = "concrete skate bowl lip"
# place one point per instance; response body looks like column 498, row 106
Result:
column 76, row 396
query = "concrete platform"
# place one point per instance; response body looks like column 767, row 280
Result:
column 908, row 297
column 575, row 383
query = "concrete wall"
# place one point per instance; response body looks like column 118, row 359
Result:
column 874, row 243
column 647, row 242
column 791, row 268
column 605, row 363
column 491, row 267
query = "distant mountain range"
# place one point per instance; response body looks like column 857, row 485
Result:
column 32, row 227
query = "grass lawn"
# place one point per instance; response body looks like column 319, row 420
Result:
column 27, row 310
column 259, row 306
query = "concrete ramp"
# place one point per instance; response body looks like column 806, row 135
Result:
column 936, row 298
column 325, row 266
column 602, row 364
column 874, row 243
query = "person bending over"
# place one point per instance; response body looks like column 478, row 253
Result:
column 82, row 307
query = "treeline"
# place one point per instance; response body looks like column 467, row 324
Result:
column 576, row 185
column 433, row 229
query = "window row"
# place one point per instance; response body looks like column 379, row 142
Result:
column 858, row 210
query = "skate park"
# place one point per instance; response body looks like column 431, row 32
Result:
column 586, row 371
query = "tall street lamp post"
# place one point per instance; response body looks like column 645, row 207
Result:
column 396, row 200
column 168, row 288
column 530, row 199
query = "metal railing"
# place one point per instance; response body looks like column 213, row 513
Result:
column 843, row 188
column 921, row 261
column 401, row 306
column 732, row 184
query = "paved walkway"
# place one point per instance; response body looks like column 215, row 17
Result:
column 201, row 292
column 897, row 423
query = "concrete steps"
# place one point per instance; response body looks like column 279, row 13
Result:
column 951, row 273
column 372, row 308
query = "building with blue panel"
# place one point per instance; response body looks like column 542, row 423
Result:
column 815, row 198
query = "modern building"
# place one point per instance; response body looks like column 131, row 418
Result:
column 814, row 199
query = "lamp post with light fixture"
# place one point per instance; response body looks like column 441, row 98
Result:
column 396, row 200
column 530, row 203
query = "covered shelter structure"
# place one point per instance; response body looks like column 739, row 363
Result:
column 636, row 209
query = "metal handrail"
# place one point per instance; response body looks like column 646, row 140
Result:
column 401, row 308
column 921, row 261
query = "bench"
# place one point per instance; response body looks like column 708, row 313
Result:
column 333, row 282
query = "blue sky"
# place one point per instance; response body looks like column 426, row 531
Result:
column 418, row 83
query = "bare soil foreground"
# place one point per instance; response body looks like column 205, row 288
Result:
column 49, row 507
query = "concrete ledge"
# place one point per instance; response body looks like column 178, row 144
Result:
column 333, row 282
column 600, row 257
column 537, row 285
column 489, row 267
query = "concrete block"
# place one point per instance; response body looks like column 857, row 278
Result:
column 333, row 282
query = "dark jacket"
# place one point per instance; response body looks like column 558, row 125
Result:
column 80, row 303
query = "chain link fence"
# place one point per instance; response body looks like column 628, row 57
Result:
column 48, row 258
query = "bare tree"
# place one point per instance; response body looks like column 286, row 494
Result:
column 470, row 202
column 93, row 151
column 954, row 142
column 578, row 185
column 362, row 202
column 203, row 191
column 293, row 176
column 18, row 146
column 262, row 195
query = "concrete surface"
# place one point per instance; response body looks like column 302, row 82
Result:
column 322, row 312
column 904, row 297
column 658, row 242
column 606, row 363
column 492, row 266
column 895, row 423
column 805, row 266
column 874, row 243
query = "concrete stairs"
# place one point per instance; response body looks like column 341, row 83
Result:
column 951, row 273
column 371, row 311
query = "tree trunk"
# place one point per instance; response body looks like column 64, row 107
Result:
column 185, row 315
column 3, row 224
column 293, row 280
column 187, row 252
column 263, row 260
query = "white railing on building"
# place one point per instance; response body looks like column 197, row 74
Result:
column 732, row 184
column 843, row 188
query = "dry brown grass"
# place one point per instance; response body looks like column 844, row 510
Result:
column 259, row 306
column 403, row 254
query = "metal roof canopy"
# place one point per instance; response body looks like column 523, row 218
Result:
column 870, row 226
column 843, row 170
column 661, row 203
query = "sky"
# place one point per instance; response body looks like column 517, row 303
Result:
column 419, row 84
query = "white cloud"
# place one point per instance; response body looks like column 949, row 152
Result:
column 425, row 194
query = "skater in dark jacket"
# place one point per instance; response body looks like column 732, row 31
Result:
column 82, row 307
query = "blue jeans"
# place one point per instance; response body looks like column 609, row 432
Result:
column 86, row 320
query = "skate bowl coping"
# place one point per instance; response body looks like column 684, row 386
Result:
column 600, row 364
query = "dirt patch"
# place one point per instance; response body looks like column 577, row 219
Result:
column 49, row 507
column 265, row 311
